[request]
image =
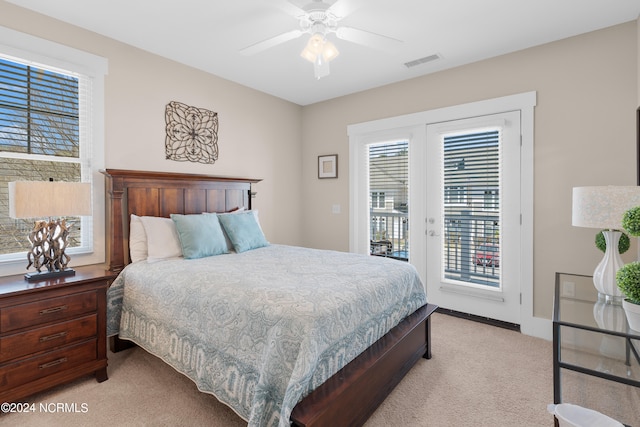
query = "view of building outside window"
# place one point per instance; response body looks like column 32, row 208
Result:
column 39, row 140
column 472, row 207
column 389, row 199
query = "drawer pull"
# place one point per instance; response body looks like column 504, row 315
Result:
column 53, row 310
column 54, row 363
column 53, row 336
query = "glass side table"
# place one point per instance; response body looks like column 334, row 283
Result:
column 591, row 336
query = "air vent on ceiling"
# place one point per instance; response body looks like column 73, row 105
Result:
column 422, row 60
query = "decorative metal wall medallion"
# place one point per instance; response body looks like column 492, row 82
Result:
column 192, row 134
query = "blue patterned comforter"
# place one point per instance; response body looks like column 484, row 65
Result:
column 261, row 329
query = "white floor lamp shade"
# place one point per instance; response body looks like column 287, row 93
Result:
column 603, row 208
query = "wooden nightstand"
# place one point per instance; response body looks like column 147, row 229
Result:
column 53, row 331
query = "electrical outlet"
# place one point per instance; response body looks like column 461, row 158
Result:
column 568, row 289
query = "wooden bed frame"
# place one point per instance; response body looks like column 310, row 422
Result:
column 352, row 394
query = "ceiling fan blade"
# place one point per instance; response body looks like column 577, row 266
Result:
column 288, row 8
column 367, row 38
column 342, row 8
column 269, row 43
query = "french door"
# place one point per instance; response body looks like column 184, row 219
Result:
column 473, row 215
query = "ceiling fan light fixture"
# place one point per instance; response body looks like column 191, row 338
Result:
column 320, row 68
column 319, row 51
column 313, row 48
column 329, row 51
column 319, row 18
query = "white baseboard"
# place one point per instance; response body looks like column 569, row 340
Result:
column 537, row 327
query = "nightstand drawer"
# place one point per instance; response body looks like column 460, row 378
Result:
column 53, row 331
column 15, row 374
column 40, row 312
column 47, row 337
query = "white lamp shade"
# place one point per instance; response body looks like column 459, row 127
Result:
column 38, row 199
column 329, row 51
column 313, row 48
column 604, row 206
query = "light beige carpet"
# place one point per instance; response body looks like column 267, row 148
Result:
column 479, row 375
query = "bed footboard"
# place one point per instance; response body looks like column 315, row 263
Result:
column 355, row 392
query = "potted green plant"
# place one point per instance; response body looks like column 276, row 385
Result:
column 628, row 276
column 631, row 221
column 628, row 281
column 623, row 243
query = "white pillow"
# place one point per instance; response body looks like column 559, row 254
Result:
column 137, row 240
column 162, row 238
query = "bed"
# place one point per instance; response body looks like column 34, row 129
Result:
column 328, row 364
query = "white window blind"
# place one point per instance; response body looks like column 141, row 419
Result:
column 39, row 110
column 472, row 207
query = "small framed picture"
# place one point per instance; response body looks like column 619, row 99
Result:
column 328, row 166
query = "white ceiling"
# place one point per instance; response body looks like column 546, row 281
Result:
column 208, row 34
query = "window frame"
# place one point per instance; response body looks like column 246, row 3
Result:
column 376, row 198
column 50, row 55
column 359, row 141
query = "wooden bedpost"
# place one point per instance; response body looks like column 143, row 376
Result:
column 114, row 190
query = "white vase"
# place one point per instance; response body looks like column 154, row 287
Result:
column 633, row 314
column 604, row 277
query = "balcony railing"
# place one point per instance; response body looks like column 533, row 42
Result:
column 389, row 233
column 463, row 236
column 466, row 235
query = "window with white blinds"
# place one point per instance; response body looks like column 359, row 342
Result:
column 472, row 207
column 389, row 198
column 39, row 110
column 45, row 128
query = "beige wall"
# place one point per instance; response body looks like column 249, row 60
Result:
column 587, row 91
column 259, row 135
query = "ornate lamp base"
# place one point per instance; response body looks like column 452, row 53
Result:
column 48, row 244
column 44, row 275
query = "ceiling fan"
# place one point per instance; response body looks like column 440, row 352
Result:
column 320, row 19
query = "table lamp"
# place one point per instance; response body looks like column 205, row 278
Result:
column 53, row 200
column 603, row 208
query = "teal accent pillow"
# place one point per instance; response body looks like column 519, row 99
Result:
column 200, row 235
column 243, row 231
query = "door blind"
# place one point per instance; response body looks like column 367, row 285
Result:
column 471, row 196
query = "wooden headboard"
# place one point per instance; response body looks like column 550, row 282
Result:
column 161, row 194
